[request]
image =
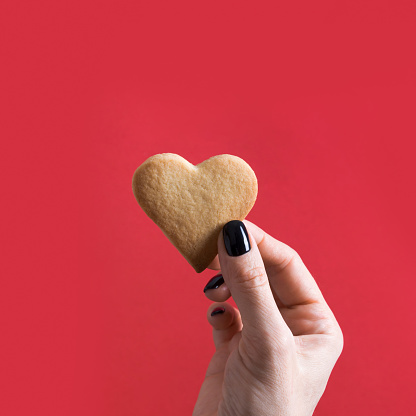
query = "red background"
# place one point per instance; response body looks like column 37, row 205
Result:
column 99, row 313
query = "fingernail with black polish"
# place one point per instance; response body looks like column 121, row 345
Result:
column 236, row 238
column 217, row 311
column 214, row 283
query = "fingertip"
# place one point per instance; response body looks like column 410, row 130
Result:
column 216, row 289
column 225, row 321
column 220, row 294
column 215, row 264
column 255, row 232
column 220, row 315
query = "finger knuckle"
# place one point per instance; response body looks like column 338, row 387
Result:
column 285, row 258
column 339, row 342
column 292, row 257
column 252, row 278
column 336, row 337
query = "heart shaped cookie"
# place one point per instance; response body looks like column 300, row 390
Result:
column 191, row 204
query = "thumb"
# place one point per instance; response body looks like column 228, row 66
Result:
column 244, row 273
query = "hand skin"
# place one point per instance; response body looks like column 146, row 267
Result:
column 279, row 363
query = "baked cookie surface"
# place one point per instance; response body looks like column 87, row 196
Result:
column 191, row 204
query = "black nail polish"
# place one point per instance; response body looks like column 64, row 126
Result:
column 236, row 238
column 217, row 311
column 214, row 283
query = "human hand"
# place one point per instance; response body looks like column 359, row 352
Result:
column 280, row 361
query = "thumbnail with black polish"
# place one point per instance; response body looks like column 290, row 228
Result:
column 236, row 238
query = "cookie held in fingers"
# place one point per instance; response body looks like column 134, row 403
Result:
column 191, row 204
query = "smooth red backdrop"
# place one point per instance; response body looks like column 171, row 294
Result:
column 99, row 313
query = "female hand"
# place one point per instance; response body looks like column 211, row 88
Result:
column 279, row 362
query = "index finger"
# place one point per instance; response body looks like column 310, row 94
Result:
column 288, row 275
column 215, row 264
